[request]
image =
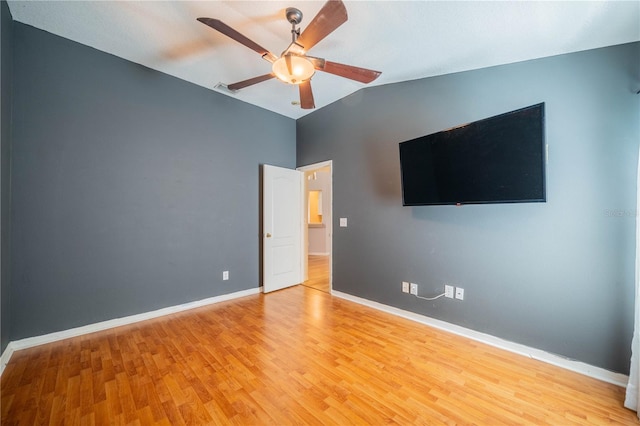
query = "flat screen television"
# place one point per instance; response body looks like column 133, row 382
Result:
column 499, row 159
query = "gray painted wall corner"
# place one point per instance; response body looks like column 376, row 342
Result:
column 6, row 100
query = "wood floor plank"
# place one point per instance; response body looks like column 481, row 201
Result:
column 319, row 270
column 296, row 356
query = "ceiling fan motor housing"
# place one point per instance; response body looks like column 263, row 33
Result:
column 294, row 16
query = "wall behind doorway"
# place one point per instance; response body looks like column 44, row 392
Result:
column 319, row 234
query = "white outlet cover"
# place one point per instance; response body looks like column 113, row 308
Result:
column 343, row 222
column 414, row 289
column 459, row 293
column 225, row 275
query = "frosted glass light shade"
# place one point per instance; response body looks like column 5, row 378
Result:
column 301, row 69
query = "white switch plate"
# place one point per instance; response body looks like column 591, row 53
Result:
column 405, row 287
column 225, row 275
column 459, row 293
column 343, row 222
column 448, row 291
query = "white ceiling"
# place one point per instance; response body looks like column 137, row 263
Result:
column 406, row 40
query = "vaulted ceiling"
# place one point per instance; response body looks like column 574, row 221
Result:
column 406, row 40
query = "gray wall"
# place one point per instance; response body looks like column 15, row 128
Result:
column 132, row 190
column 6, row 83
column 556, row 276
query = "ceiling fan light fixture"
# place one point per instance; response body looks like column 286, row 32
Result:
column 293, row 66
column 301, row 69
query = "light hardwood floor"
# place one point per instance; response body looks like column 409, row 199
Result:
column 318, row 273
column 296, row 356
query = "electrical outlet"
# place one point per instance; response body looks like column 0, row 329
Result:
column 405, row 287
column 414, row 289
column 448, row 291
column 225, row 275
column 459, row 293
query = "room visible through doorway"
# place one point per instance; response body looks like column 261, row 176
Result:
column 318, row 217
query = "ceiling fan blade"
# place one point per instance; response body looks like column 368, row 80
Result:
column 306, row 95
column 250, row 82
column 220, row 26
column 362, row 75
column 331, row 16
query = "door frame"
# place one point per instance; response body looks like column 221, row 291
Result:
column 305, row 219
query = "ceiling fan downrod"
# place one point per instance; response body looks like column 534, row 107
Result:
column 294, row 16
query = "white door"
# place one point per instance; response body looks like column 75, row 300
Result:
column 282, row 227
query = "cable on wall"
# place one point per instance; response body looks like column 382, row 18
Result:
column 429, row 298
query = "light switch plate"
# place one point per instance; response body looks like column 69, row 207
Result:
column 343, row 222
column 448, row 291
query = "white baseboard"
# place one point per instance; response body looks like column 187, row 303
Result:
column 318, row 253
column 117, row 322
column 538, row 354
column 6, row 356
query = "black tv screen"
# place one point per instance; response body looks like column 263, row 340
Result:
column 496, row 160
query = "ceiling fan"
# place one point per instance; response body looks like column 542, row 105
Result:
column 294, row 66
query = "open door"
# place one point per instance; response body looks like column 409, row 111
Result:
column 282, row 253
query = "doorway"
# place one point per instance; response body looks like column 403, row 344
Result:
column 318, row 214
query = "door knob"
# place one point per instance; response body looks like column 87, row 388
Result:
column 268, row 235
